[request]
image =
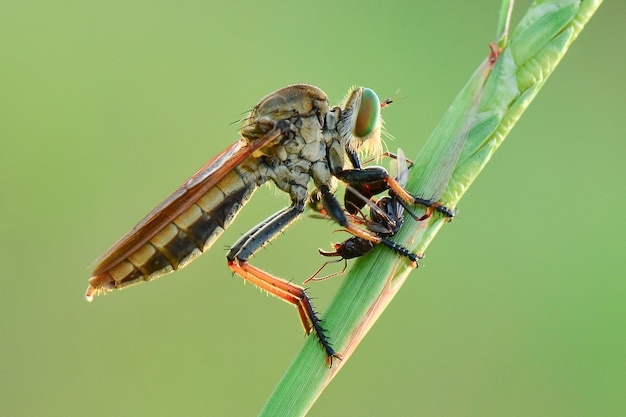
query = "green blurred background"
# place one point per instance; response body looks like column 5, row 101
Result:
column 106, row 107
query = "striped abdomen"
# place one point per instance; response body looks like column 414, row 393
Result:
column 179, row 241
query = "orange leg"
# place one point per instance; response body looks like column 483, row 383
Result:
column 291, row 293
column 255, row 240
column 373, row 175
column 431, row 206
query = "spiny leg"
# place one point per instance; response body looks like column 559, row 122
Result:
column 291, row 293
column 294, row 294
column 373, row 174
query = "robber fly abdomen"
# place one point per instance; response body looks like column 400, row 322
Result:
column 182, row 239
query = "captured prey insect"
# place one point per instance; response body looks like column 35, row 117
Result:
column 386, row 217
column 292, row 137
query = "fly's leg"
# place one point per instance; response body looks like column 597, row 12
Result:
column 255, row 240
column 374, row 174
column 243, row 241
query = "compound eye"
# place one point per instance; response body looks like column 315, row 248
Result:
column 368, row 114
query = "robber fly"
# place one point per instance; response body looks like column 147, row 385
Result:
column 291, row 137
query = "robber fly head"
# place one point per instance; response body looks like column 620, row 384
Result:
column 361, row 124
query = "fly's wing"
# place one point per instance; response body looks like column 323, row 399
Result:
column 197, row 186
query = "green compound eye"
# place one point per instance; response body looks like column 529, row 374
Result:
column 369, row 112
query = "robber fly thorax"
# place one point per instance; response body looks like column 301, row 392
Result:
column 316, row 141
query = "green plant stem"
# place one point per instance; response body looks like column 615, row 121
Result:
column 531, row 54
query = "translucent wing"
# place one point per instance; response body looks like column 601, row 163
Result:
column 181, row 199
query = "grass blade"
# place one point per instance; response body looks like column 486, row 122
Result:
column 531, row 54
